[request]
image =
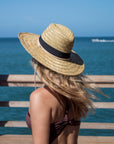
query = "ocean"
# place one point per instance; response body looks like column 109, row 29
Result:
column 98, row 56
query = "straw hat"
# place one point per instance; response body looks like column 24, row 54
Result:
column 53, row 49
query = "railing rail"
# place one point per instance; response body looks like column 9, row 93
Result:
column 105, row 81
column 27, row 139
column 107, row 105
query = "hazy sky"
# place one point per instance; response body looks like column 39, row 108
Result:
column 83, row 17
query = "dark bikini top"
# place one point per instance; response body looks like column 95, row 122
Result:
column 56, row 127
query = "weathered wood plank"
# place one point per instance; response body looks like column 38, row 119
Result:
column 18, row 78
column 101, row 78
column 28, row 80
column 27, row 139
column 31, row 84
column 109, row 105
column 95, row 140
column 21, row 84
column 105, row 85
column 84, row 125
column 16, row 139
column 87, row 125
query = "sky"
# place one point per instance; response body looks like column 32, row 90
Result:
column 83, row 17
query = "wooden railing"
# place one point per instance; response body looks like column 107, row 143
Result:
column 28, row 80
column 106, row 81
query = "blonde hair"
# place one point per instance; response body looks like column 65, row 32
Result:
column 72, row 89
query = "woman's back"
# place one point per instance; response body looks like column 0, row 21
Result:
column 63, row 129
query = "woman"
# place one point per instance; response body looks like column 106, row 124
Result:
column 57, row 107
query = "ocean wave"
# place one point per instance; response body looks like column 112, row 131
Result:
column 102, row 40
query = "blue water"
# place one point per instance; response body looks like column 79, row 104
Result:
column 98, row 58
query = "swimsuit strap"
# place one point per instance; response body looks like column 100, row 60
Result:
column 67, row 109
column 66, row 112
column 72, row 121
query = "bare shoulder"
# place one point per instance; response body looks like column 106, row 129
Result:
column 45, row 100
column 37, row 92
column 42, row 96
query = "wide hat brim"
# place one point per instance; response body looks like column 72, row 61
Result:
column 73, row 66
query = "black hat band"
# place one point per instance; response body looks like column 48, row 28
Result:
column 52, row 50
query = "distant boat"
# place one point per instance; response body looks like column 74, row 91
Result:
column 101, row 40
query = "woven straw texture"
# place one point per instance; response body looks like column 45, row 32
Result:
column 60, row 38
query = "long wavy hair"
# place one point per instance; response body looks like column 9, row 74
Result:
column 71, row 89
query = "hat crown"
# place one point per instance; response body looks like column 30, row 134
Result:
column 59, row 37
